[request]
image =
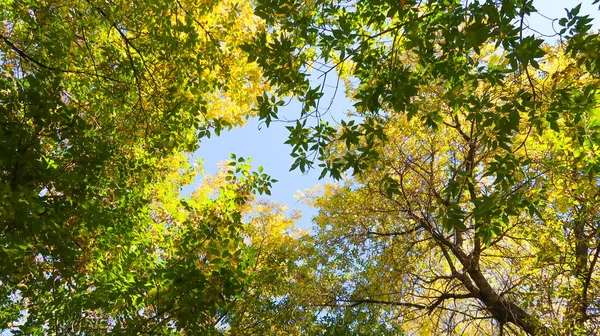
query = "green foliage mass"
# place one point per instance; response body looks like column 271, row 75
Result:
column 100, row 101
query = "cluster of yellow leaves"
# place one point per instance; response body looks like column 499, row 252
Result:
column 233, row 23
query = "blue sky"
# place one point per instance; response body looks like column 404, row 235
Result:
column 266, row 145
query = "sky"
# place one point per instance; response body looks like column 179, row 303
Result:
column 265, row 145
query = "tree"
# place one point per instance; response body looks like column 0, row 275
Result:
column 263, row 308
column 100, row 103
column 437, row 237
column 485, row 96
column 182, row 262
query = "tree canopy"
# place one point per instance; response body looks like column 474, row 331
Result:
column 467, row 194
column 100, row 103
column 433, row 235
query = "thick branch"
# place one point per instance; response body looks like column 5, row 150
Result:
column 500, row 308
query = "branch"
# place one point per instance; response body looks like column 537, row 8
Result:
column 521, row 39
column 37, row 64
column 590, row 272
column 354, row 303
column 394, row 234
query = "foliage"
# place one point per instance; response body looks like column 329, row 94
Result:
column 433, row 239
column 170, row 267
column 389, row 51
column 467, row 131
column 473, row 150
column 263, row 308
column 99, row 102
